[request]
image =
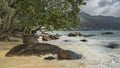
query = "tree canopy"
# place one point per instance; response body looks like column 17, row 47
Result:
column 52, row 14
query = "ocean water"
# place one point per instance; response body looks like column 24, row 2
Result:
column 103, row 38
column 96, row 55
column 94, row 41
column 116, row 34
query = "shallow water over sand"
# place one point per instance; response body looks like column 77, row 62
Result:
column 96, row 55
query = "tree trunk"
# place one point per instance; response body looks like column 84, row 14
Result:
column 0, row 25
column 10, row 22
column 12, row 25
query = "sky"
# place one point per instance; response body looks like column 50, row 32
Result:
column 102, row 7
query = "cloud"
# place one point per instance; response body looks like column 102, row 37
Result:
column 102, row 7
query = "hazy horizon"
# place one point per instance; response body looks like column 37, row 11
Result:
column 102, row 7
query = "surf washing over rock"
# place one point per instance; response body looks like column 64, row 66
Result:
column 94, row 50
column 90, row 51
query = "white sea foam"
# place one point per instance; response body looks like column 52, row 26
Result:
column 96, row 55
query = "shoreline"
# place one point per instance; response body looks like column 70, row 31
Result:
column 23, row 62
column 94, row 52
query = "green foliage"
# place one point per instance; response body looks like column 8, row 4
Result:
column 52, row 14
column 3, row 13
column 3, row 8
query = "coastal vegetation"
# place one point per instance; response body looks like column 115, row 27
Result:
column 25, row 15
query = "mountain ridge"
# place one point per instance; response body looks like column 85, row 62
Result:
column 90, row 22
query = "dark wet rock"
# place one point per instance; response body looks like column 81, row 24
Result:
column 72, row 34
column 68, row 55
column 113, row 45
column 54, row 37
column 50, row 37
column 67, row 40
column 46, row 38
column 84, row 40
column 79, row 34
column 90, row 35
column 57, row 36
column 30, row 39
column 105, row 33
column 35, row 49
column 49, row 58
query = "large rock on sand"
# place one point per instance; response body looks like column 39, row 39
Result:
column 36, row 50
column 68, row 55
column 32, row 47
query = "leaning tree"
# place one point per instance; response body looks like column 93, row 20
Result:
column 27, row 14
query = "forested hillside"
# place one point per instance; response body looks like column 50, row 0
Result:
column 99, row 22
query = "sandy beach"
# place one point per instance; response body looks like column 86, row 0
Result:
column 23, row 62
column 37, row 62
column 95, row 55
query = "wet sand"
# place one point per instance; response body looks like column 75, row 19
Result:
column 95, row 55
column 23, row 62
